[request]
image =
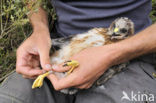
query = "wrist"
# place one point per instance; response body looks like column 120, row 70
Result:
column 123, row 51
column 40, row 27
column 41, row 31
column 120, row 53
column 117, row 53
column 41, row 34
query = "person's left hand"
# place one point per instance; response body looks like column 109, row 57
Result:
column 93, row 62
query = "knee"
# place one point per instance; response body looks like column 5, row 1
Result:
column 15, row 86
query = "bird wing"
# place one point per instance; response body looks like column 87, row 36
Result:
column 59, row 42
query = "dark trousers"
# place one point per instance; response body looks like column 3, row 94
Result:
column 137, row 82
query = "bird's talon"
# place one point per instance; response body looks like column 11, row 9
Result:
column 67, row 61
column 64, row 65
column 71, row 63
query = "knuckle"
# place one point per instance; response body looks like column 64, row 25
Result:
column 88, row 87
column 82, row 87
column 18, row 70
column 24, row 76
column 56, row 87
column 27, row 77
column 29, row 73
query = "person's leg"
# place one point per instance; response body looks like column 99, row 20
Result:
column 16, row 89
column 136, row 82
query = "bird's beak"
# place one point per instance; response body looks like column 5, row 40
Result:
column 116, row 30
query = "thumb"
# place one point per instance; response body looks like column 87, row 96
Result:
column 45, row 60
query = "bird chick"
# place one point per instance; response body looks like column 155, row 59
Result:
column 65, row 47
column 121, row 28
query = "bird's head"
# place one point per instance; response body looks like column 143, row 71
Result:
column 121, row 28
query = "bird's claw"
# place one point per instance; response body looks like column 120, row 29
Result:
column 71, row 63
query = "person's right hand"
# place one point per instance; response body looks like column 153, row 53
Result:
column 33, row 52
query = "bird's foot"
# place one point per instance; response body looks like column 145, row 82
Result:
column 72, row 63
column 39, row 80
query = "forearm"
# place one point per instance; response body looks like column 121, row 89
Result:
column 39, row 20
column 142, row 43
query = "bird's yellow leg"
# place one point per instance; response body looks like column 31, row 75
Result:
column 39, row 80
column 73, row 65
column 154, row 75
column 71, row 70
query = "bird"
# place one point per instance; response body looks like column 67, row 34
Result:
column 65, row 47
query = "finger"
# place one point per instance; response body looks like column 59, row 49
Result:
column 32, row 77
column 66, row 82
column 28, row 71
column 45, row 59
column 84, row 86
column 27, row 77
column 54, row 79
column 22, row 58
column 60, row 68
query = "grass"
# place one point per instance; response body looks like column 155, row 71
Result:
column 15, row 27
column 153, row 12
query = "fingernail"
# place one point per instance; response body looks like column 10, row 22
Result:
column 48, row 66
column 55, row 67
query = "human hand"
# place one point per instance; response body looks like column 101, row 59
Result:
column 93, row 62
column 33, row 52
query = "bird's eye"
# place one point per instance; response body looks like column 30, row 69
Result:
column 123, row 30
